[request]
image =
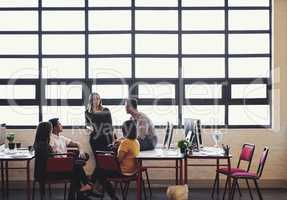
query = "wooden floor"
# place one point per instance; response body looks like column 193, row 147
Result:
column 196, row 194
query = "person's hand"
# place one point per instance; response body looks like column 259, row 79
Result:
column 82, row 155
column 117, row 144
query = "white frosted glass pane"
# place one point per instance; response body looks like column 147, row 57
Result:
column 159, row 115
column 68, row 115
column 208, row 114
column 112, row 91
column 203, row 44
column 63, row 91
column 248, row 20
column 63, row 3
column 110, row 3
column 202, row 20
column 15, row 44
column 203, row 91
column 110, row 44
column 119, row 114
column 153, row 3
column 156, row 20
column 203, row 67
column 249, row 115
column 63, row 20
column 248, row 43
column 63, row 44
column 17, row 91
column 109, row 20
column 205, row 3
column 249, row 67
column 248, row 3
column 19, row 115
column 19, row 20
column 156, row 44
column 110, row 68
column 18, row 3
column 18, row 68
column 156, row 68
column 63, row 68
column 156, row 91
column 248, row 91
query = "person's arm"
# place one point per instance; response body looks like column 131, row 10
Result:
column 142, row 128
column 121, row 155
column 122, row 151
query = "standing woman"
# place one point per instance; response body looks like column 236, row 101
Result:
column 99, row 121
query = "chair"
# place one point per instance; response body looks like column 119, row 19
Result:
column 59, row 170
column 108, row 161
column 246, row 156
column 250, row 175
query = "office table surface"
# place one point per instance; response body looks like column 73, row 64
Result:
column 209, row 153
column 16, row 155
column 160, row 154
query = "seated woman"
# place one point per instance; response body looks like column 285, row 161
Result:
column 128, row 149
column 43, row 151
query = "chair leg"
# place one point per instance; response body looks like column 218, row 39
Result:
column 238, row 188
column 65, row 191
column 225, row 187
column 122, row 191
column 248, row 186
column 148, row 183
column 144, row 190
column 33, row 190
column 214, row 185
column 258, row 190
column 50, row 191
column 233, row 188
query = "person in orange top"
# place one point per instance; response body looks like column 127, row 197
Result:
column 128, row 149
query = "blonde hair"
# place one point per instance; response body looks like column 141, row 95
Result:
column 90, row 104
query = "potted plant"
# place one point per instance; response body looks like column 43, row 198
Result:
column 11, row 137
column 183, row 145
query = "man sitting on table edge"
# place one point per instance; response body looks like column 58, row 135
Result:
column 145, row 129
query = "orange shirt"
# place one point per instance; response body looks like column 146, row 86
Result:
column 131, row 148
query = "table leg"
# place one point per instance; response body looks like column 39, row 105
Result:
column 185, row 170
column 7, row 179
column 229, row 180
column 28, row 181
column 217, row 177
column 139, row 182
column 180, row 172
column 2, row 180
column 176, row 172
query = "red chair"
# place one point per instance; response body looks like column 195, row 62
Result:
column 250, row 175
column 108, row 161
column 59, row 170
column 246, row 156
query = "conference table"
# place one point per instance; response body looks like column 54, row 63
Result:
column 160, row 154
column 211, row 154
column 8, row 156
column 181, row 163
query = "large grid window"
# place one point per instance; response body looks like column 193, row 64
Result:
column 208, row 59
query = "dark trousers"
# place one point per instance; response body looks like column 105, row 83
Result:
column 101, row 176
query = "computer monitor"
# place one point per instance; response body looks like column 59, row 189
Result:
column 192, row 129
column 170, row 136
column 166, row 134
column 2, row 136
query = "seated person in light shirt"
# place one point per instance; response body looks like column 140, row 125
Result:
column 60, row 143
